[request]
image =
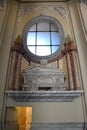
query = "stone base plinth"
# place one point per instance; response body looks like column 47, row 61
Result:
column 58, row 126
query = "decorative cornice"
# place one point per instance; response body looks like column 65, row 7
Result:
column 44, row 96
column 26, row 10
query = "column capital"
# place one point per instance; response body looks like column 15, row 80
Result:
column 69, row 47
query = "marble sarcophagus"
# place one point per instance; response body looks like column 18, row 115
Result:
column 43, row 79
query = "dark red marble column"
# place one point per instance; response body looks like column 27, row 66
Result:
column 73, row 78
column 15, row 66
column 75, row 71
column 18, row 71
column 70, row 74
column 12, row 74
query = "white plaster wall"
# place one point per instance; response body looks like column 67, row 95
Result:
column 11, row 114
column 53, row 112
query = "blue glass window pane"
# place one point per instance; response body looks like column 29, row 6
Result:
column 54, row 48
column 43, row 38
column 55, row 38
column 31, row 49
column 43, row 51
column 31, row 38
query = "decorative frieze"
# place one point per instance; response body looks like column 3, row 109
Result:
column 62, row 10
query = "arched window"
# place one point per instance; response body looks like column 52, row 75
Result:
column 43, row 38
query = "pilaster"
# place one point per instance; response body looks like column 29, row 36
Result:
column 5, row 50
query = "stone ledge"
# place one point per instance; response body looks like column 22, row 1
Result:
column 44, row 96
column 59, row 126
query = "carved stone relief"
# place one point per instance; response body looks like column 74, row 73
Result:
column 37, row 78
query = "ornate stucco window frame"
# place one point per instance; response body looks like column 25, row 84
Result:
column 49, row 58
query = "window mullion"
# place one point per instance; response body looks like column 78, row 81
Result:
column 36, row 41
column 50, row 38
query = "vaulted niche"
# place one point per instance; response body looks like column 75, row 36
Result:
column 43, row 75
